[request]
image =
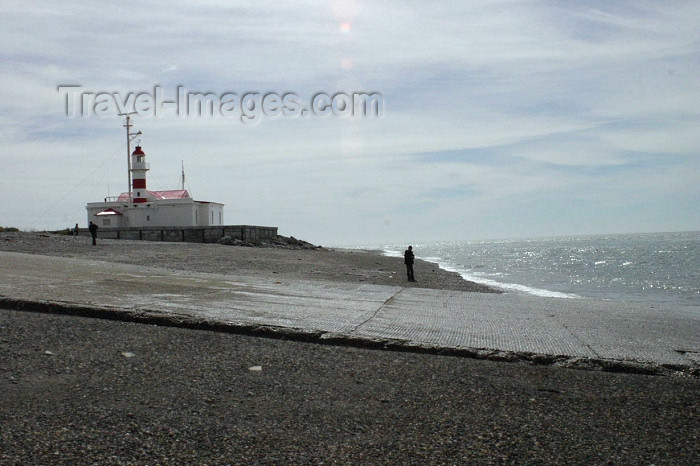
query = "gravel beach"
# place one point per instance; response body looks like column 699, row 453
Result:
column 320, row 264
column 76, row 390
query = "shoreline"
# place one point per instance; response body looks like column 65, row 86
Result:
column 336, row 265
column 81, row 389
column 658, row 268
column 508, row 328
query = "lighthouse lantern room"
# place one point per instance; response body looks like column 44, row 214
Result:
column 141, row 207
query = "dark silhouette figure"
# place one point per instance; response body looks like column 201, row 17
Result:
column 76, row 230
column 408, row 260
column 93, row 231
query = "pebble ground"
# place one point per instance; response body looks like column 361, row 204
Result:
column 75, row 390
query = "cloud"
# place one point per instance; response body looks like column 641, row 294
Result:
column 501, row 118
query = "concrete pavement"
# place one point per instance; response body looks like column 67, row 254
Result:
column 573, row 332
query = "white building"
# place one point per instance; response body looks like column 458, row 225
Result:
column 143, row 208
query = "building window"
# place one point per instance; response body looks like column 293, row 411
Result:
column 148, row 217
column 105, row 222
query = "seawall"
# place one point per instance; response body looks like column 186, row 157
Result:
column 210, row 234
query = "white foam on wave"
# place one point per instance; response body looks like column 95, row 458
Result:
column 487, row 281
column 391, row 253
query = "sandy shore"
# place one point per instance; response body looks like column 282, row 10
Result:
column 77, row 390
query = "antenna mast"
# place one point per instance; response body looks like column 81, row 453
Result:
column 129, row 136
column 183, row 174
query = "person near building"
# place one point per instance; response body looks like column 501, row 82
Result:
column 93, row 232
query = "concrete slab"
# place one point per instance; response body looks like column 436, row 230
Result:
column 517, row 323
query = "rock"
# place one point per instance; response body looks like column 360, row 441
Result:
column 281, row 242
column 226, row 240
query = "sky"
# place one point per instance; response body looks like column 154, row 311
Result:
column 496, row 119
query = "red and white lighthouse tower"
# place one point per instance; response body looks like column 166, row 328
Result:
column 139, row 167
column 139, row 207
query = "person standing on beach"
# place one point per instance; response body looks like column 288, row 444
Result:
column 408, row 260
column 93, row 232
column 76, row 230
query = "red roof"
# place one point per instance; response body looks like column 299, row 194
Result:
column 172, row 194
column 109, row 211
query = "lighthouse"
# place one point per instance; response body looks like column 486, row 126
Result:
column 139, row 167
column 140, row 207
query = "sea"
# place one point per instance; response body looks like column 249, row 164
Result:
column 646, row 267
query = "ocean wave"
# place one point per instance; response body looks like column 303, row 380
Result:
column 480, row 278
column 392, row 253
column 506, row 286
column 659, row 267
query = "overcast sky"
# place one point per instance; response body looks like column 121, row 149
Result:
column 499, row 119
